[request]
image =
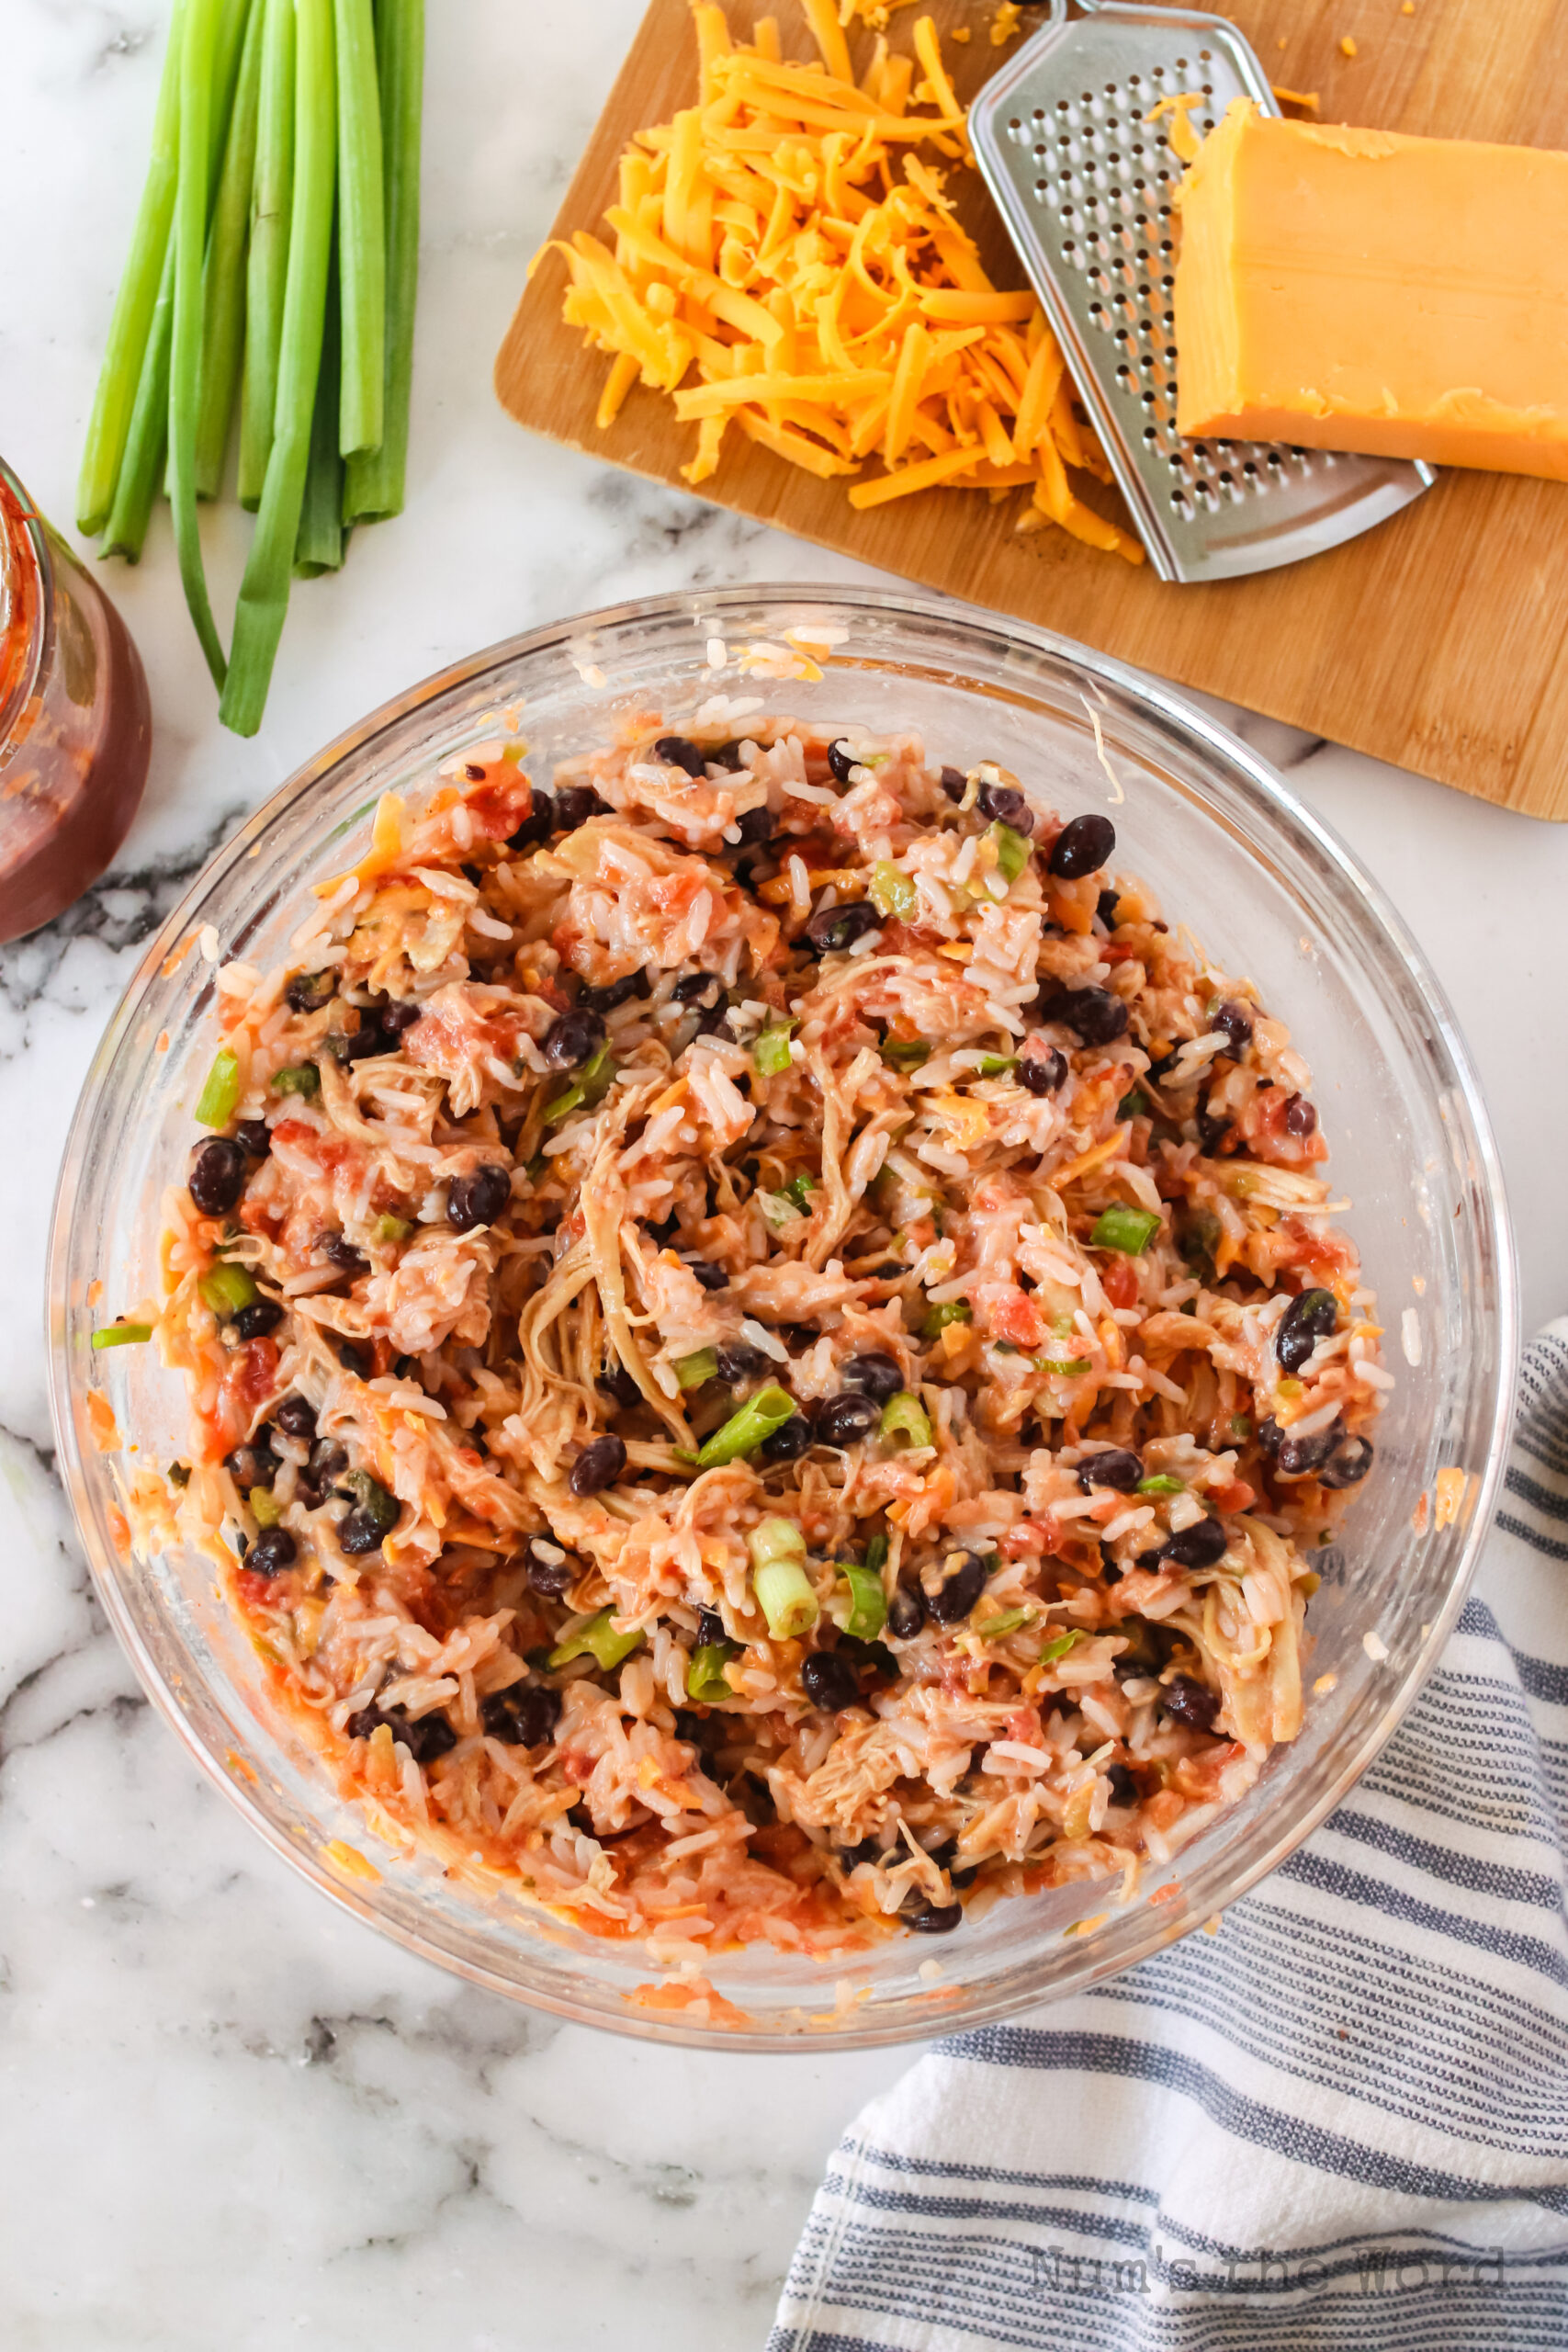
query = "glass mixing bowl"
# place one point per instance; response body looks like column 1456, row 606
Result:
column 1262, row 881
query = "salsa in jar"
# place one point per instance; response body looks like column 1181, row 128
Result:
column 75, row 725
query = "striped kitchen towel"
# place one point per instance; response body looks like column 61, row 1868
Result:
column 1340, row 2122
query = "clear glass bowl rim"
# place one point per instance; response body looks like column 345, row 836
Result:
column 719, row 610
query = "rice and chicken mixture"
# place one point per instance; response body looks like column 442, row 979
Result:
column 766, row 1350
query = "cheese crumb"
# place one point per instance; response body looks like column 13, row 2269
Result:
column 1324, row 1683
column 1450, row 1487
column 1004, row 24
column 1347, row 46
column 1375, row 1647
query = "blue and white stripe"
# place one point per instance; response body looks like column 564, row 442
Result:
column 1341, row 2125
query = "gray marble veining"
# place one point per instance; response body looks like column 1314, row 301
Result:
column 232, row 2116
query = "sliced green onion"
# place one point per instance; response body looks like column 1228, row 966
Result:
column 1061, row 1645
column 877, row 1555
column 1013, row 850
column 786, row 1598
column 906, row 1053
column 868, row 1604
column 374, row 488
column 264, row 592
column 779, row 1210
column 1241, row 1425
column 996, row 1629
column 131, row 327
column 904, row 1415
column 593, row 1638
column 304, row 1078
column 1129, row 1230
column 799, row 1190
column 692, row 1371
column 775, row 1539
column 1062, row 1367
column 265, row 1508
column 122, row 1335
column 362, row 231
column 993, row 1065
column 392, row 1228
column 706, row 1679
column 1162, row 1486
column 937, row 1319
column 892, row 893
column 744, row 1431
column 770, row 1052
column 223, row 287
column 592, row 1086
column 199, row 63
column 1134, row 1105
column 266, row 266
column 216, row 1101
column 227, row 1289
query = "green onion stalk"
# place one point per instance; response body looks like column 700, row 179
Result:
column 199, row 63
column 223, row 286
column 373, row 487
column 266, row 266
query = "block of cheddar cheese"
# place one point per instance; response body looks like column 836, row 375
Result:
column 1362, row 289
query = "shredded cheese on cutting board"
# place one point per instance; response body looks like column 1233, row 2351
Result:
column 787, row 267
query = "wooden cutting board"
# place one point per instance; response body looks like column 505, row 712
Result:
column 1439, row 641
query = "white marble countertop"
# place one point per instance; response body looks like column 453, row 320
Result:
column 232, row 2116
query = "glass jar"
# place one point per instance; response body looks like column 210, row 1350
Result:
column 75, row 724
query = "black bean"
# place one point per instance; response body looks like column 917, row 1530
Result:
column 1082, row 847
column 865, row 1849
column 1301, row 1116
column 905, row 1612
column 473, row 771
column 1309, row 1318
column 307, row 992
column 832, row 929
column 1118, row 1469
column 262, row 1316
column 1213, row 1129
column 1270, row 1436
column 1349, row 1463
column 599, row 1464
column 666, row 1229
column 706, row 1731
column 787, row 1442
column 1105, row 907
column 845, row 1419
column 829, row 1682
column 1042, row 1073
column 955, row 783
column 339, row 1252
column 478, row 1197
column 1123, row 1788
column 729, row 756
column 575, row 806
column 359, row 1044
column 355, row 1356
column 327, row 1461
column 841, row 758
column 755, row 826
column 1093, row 1014
column 1002, row 805
column 538, row 825
column 697, row 988
column 273, row 1551
column 1191, row 1702
column 1235, row 1021
column 374, row 1514
column 962, row 1581
column 252, row 1466
column 425, row 1739
column 710, row 1277
column 1299, row 1457
column 876, row 1373
column 524, row 1716
column 552, row 1571
column 296, row 1418
column 1160, row 1070
column 396, row 1017
column 615, row 992
column 1198, row 1546
column 739, row 1362
column 217, row 1176
column 679, row 752
column 572, row 1038
column 620, row 1384
column 710, row 1628
column 934, row 1919
column 254, row 1138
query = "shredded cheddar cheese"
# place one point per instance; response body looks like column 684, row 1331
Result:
column 787, row 267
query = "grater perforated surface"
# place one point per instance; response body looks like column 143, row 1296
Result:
column 1085, row 184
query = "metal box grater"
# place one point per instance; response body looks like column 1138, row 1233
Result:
column 1085, row 186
